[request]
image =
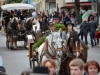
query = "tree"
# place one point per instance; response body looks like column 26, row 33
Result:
column 16, row 1
column 77, row 10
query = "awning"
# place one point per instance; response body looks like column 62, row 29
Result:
column 81, row 4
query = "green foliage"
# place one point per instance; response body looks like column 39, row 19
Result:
column 87, row 47
column 58, row 26
column 38, row 43
column 16, row 1
column 42, row 39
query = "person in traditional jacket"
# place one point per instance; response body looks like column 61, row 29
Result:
column 69, row 29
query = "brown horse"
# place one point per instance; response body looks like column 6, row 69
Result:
column 12, row 33
column 3, row 27
column 73, row 48
column 32, row 27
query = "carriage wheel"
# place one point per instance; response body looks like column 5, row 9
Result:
column 7, row 44
column 32, row 62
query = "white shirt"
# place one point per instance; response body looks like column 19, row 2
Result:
column 33, row 14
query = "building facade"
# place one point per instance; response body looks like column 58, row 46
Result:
column 85, row 4
column 2, row 2
column 50, row 5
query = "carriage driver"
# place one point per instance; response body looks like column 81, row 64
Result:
column 69, row 28
column 12, row 14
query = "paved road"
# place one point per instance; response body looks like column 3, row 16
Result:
column 16, row 61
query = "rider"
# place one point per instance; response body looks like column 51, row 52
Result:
column 12, row 14
column 51, row 28
column 56, row 19
column 69, row 28
column 23, row 15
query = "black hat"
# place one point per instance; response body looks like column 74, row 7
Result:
column 69, row 22
column 12, row 10
column 45, row 16
column 56, row 17
column 41, row 70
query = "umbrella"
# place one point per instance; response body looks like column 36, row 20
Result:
column 16, row 6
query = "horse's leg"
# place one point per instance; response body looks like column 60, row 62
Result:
column 11, row 42
column 29, row 40
column 2, row 30
column 58, row 63
column 14, row 44
column 5, row 31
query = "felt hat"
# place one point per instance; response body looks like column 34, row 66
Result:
column 55, row 17
column 51, row 24
column 69, row 22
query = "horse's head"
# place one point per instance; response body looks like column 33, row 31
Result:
column 54, row 43
column 34, row 21
column 14, row 21
column 55, row 40
column 74, row 44
column 29, row 22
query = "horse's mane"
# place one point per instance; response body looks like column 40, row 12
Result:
column 75, row 37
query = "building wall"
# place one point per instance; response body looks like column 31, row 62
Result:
column 45, row 4
column 2, row 2
column 67, row 1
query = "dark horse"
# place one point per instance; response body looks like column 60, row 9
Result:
column 73, row 48
column 12, row 33
column 30, row 23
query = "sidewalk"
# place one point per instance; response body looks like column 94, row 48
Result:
column 78, row 30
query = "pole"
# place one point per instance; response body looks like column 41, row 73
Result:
column 97, row 12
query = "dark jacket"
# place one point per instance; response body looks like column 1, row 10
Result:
column 92, row 26
column 84, row 28
column 66, row 18
column 89, row 17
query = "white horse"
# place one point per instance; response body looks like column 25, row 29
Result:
column 51, row 49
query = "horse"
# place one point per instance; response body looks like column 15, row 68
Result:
column 33, row 25
column 12, row 33
column 51, row 49
column 3, row 26
column 73, row 48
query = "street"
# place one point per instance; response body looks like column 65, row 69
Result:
column 16, row 61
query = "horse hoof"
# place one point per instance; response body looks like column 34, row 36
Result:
column 11, row 48
column 14, row 48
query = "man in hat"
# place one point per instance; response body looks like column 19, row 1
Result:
column 66, row 18
column 12, row 14
column 44, row 23
column 51, row 28
column 23, row 15
column 56, row 19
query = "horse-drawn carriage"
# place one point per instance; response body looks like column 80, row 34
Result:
column 61, row 53
column 17, row 30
